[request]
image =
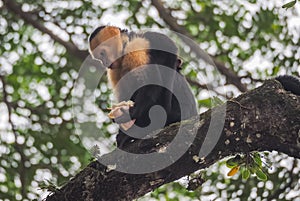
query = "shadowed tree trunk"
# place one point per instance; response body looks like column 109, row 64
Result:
column 264, row 119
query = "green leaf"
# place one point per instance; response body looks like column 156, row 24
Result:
column 257, row 159
column 252, row 168
column 205, row 103
column 261, row 175
column 234, row 161
column 289, row 4
column 230, row 163
column 275, row 70
column 246, row 173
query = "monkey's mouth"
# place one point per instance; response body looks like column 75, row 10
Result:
column 113, row 65
column 108, row 64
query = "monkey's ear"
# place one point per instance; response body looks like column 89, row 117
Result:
column 178, row 64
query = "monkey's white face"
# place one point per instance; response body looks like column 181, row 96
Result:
column 108, row 52
column 107, row 47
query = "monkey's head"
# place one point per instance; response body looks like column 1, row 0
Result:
column 118, row 49
column 107, row 44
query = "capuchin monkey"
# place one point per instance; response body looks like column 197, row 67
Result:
column 138, row 55
column 133, row 61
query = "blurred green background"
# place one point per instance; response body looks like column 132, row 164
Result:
column 44, row 44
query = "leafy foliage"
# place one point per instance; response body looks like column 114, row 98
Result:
column 289, row 4
column 250, row 163
column 42, row 147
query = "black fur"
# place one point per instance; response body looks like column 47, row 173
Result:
column 98, row 29
column 290, row 83
column 95, row 32
column 163, row 52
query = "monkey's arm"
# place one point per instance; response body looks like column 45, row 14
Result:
column 145, row 93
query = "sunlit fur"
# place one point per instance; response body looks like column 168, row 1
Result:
column 135, row 53
column 105, row 34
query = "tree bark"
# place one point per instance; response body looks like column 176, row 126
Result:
column 264, row 119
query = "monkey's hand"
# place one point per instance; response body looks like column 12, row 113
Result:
column 119, row 113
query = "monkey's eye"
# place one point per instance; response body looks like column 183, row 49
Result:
column 102, row 53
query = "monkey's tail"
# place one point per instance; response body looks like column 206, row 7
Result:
column 290, row 83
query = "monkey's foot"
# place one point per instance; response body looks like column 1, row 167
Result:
column 119, row 110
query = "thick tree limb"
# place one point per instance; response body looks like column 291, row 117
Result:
column 264, row 119
column 165, row 14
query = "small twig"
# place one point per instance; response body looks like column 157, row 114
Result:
column 233, row 101
column 203, row 86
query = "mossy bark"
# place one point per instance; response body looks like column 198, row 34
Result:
column 264, row 119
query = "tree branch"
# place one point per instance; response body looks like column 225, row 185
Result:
column 29, row 18
column 165, row 14
column 264, row 119
column 203, row 86
column 32, row 19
